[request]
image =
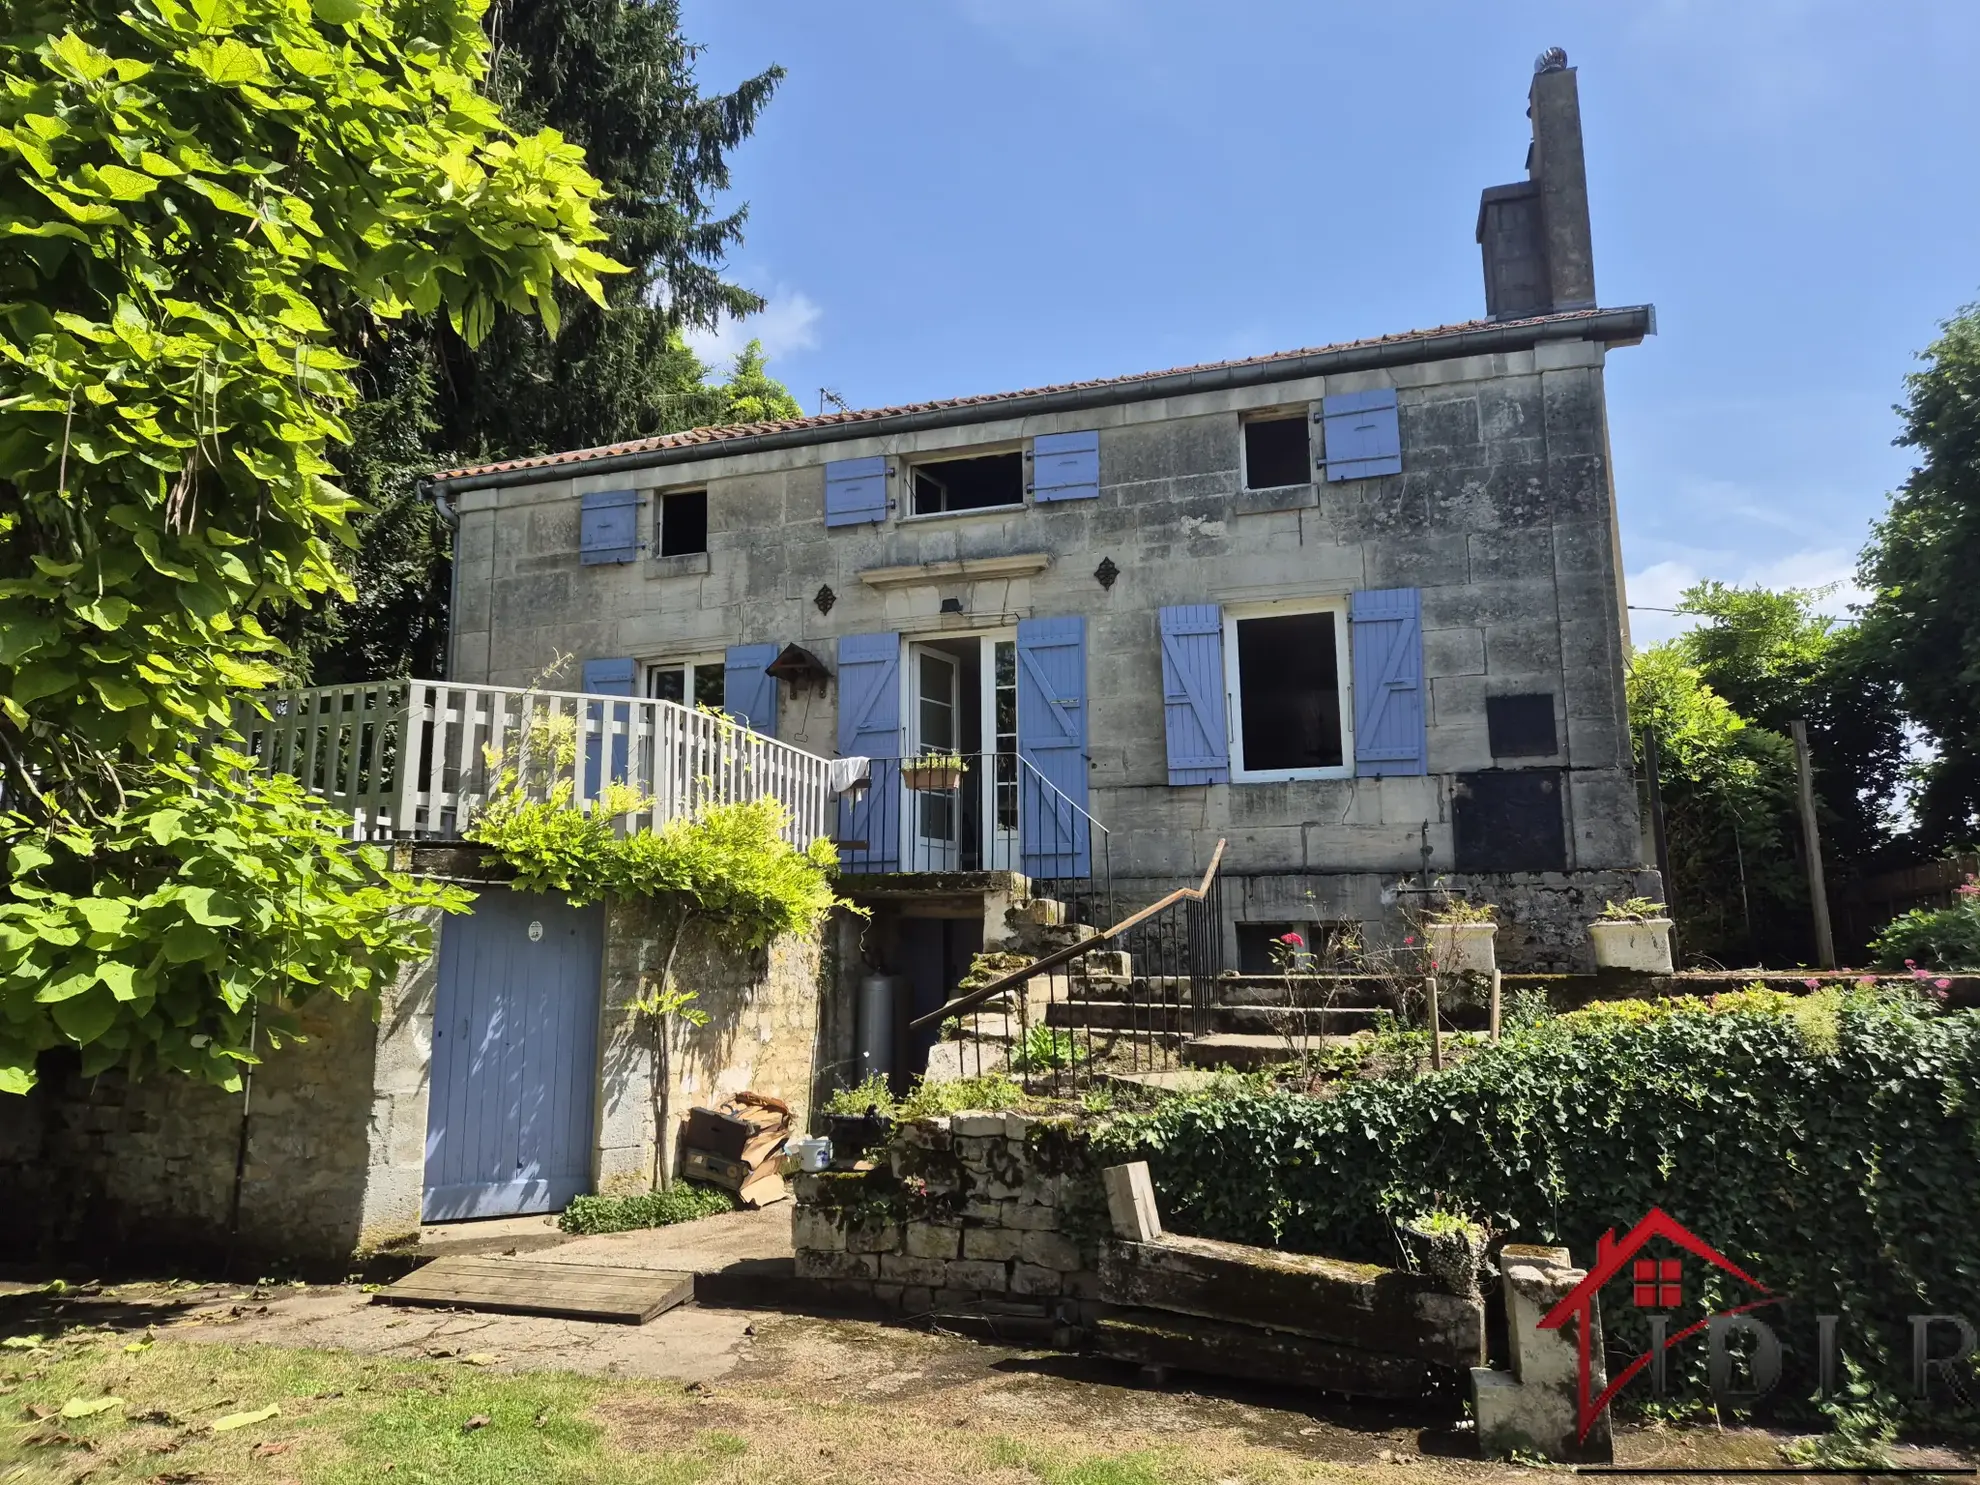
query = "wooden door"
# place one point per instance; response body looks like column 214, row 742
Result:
column 515, row 1058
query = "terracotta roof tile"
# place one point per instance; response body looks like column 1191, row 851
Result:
column 696, row 436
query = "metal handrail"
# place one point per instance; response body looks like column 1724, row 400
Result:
column 963, row 1004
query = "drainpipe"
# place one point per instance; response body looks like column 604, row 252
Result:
column 431, row 489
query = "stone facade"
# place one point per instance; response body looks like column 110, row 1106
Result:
column 973, row 1212
column 1503, row 519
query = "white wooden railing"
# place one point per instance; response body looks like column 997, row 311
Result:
column 416, row 759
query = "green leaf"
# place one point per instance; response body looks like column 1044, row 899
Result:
column 103, row 914
column 118, row 695
column 123, row 184
column 106, row 613
column 120, row 977
column 26, row 856
column 186, row 943
column 338, row 12
column 166, row 826
column 85, row 1018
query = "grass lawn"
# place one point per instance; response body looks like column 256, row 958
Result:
column 339, row 1417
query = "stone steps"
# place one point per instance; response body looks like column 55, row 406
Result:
column 1246, row 1052
column 1170, row 1013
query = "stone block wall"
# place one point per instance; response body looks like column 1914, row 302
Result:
column 761, row 1033
column 973, row 1212
column 336, row 1146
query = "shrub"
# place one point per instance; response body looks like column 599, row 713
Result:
column 1824, row 1143
column 1937, row 938
column 872, row 1094
column 682, row 1202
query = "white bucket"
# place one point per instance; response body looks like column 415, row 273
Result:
column 813, row 1154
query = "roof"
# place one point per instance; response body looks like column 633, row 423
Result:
column 1611, row 326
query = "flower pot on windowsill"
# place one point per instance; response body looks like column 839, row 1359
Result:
column 926, row 779
column 1639, row 944
column 1463, row 948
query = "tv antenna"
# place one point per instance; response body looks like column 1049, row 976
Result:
column 825, row 395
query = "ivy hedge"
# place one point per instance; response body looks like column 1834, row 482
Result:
column 1827, row 1144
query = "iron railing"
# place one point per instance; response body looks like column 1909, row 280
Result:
column 995, row 812
column 1119, row 1002
column 416, row 759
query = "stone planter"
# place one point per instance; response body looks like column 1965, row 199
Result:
column 1642, row 945
column 924, row 780
column 1462, row 948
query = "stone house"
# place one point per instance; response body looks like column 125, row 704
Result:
column 1357, row 609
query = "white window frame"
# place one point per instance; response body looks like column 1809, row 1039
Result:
column 1275, row 415
column 1233, row 687
column 689, row 663
column 911, row 463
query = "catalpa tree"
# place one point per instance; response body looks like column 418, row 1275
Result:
column 199, row 199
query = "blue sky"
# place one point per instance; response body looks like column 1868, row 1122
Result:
column 956, row 196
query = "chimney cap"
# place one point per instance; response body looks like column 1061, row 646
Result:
column 1553, row 59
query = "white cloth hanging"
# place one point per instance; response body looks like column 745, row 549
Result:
column 848, row 774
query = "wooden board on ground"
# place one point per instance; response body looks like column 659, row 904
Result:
column 522, row 1286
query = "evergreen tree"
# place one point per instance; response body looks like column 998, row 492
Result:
column 616, row 77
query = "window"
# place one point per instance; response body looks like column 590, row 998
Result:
column 982, row 483
column 1286, row 669
column 700, row 683
column 683, row 523
column 1276, row 452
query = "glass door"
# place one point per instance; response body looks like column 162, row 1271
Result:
column 999, row 780
column 935, row 727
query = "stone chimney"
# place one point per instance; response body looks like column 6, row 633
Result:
column 1534, row 235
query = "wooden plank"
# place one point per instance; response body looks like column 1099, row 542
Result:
column 517, row 1286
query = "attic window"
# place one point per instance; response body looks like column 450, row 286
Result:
column 983, row 483
column 683, row 523
column 1276, row 452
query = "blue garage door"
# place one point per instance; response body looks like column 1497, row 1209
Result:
column 515, row 1050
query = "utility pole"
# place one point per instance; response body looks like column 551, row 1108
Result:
column 1659, row 842
column 1825, row 941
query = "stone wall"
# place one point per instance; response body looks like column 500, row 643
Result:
column 973, row 1212
column 337, row 1125
column 336, row 1145
column 761, row 1033
column 1503, row 517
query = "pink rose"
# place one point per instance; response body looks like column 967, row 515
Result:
column 1942, row 984
column 1812, row 983
column 1294, row 939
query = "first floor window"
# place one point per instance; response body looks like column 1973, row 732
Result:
column 698, row 683
column 1288, row 685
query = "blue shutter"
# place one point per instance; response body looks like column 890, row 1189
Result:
column 1193, row 694
column 870, row 727
column 608, row 527
column 607, row 678
column 1053, row 826
column 1387, row 628
column 1363, row 438
column 856, row 491
column 1065, row 466
column 748, row 693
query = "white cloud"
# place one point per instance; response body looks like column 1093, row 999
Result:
column 1657, row 587
column 788, row 322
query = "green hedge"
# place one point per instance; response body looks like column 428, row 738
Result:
column 684, row 1201
column 1826, row 1144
